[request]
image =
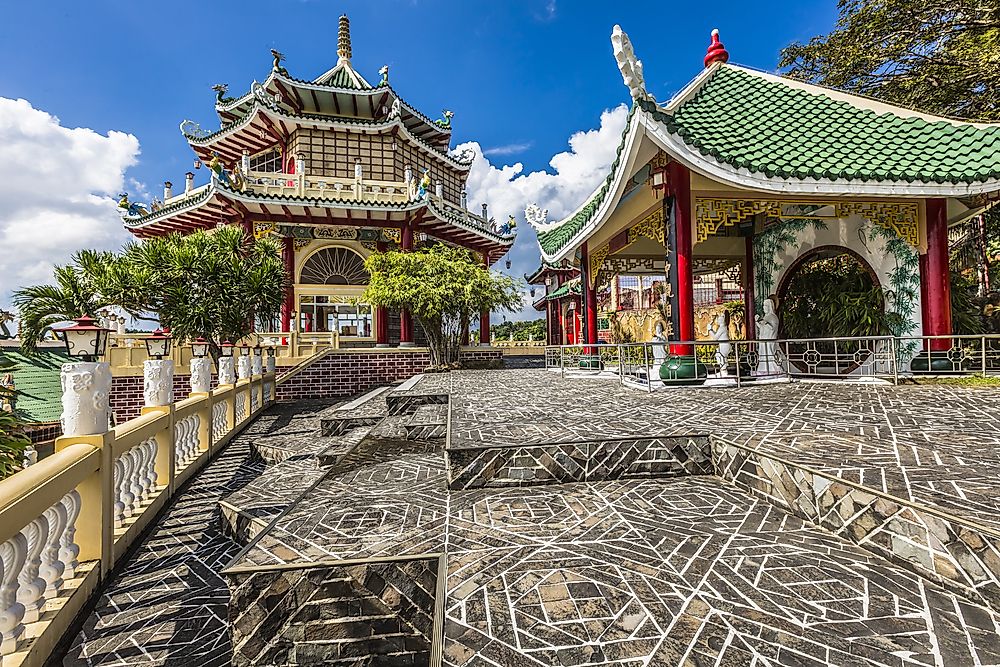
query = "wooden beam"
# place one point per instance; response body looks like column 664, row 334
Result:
column 293, row 99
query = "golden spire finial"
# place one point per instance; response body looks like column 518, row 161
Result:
column 344, row 40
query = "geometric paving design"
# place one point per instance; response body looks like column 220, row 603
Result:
column 167, row 604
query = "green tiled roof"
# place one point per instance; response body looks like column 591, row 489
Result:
column 554, row 239
column 341, row 78
column 572, row 287
column 765, row 126
column 36, row 380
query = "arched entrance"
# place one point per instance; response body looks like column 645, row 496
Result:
column 830, row 292
column 329, row 282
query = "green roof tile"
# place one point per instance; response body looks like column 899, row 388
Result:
column 36, row 380
column 767, row 126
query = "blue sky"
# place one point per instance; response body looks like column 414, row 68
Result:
column 522, row 76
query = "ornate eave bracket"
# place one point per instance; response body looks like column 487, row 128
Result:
column 712, row 214
column 653, row 226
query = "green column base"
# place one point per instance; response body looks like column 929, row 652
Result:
column 591, row 362
column 935, row 362
column 678, row 370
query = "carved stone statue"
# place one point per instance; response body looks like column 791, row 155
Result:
column 767, row 333
column 659, row 347
column 719, row 331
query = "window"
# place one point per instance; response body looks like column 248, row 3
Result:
column 640, row 292
column 268, row 162
column 334, row 266
column 324, row 314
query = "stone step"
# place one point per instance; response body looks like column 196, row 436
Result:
column 367, row 410
column 924, row 537
column 428, row 422
column 405, row 403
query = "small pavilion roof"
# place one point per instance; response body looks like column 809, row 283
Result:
column 266, row 123
column 766, row 133
column 215, row 202
column 538, row 275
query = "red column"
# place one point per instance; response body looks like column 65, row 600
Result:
column 749, row 299
column 680, row 186
column 288, row 304
column 381, row 314
column 589, row 297
column 405, row 321
column 935, row 283
column 484, row 317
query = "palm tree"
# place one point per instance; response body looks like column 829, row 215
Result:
column 73, row 294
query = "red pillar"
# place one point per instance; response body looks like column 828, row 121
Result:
column 288, row 260
column 381, row 314
column 680, row 186
column 935, row 283
column 749, row 299
column 589, row 297
column 405, row 320
column 484, row 317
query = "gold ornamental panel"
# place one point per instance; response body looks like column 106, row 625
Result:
column 262, row 229
column 653, row 226
column 712, row 214
column 596, row 263
column 899, row 217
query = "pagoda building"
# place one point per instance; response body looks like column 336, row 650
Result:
column 723, row 193
column 335, row 168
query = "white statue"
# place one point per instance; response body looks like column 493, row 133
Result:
column 767, row 333
column 659, row 346
column 630, row 66
column 718, row 330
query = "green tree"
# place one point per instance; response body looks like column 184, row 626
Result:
column 12, row 444
column 440, row 286
column 76, row 292
column 210, row 284
column 941, row 56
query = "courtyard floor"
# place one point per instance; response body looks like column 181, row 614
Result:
column 636, row 568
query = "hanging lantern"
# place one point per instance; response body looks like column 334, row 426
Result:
column 507, row 263
column 197, row 163
column 86, row 339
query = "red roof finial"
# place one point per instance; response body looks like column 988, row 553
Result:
column 716, row 51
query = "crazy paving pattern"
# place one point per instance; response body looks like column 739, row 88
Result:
column 683, row 571
column 168, row 605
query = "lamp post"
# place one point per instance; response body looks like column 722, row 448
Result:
column 157, row 372
column 243, row 363
column 201, row 367
column 86, row 381
column 271, row 361
column 227, row 372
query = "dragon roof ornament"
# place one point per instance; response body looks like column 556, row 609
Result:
column 630, row 66
column 536, row 217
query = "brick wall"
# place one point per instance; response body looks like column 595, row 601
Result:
column 127, row 399
column 347, row 374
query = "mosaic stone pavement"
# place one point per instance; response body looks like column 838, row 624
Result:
column 168, row 605
column 935, row 445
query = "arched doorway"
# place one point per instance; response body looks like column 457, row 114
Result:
column 830, row 292
column 330, row 281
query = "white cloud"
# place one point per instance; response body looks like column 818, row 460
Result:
column 509, row 149
column 576, row 173
column 58, row 189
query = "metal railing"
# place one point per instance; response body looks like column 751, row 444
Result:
column 66, row 520
column 739, row 362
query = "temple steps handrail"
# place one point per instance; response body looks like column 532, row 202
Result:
column 67, row 520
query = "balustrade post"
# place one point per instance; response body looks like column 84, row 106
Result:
column 165, row 462
column 201, row 375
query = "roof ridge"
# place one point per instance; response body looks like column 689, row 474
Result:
column 879, row 107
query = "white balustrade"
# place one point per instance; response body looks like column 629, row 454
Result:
column 268, row 391
column 30, row 586
column 69, row 550
column 134, row 479
column 254, row 397
column 241, row 405
column 219, row 426
column 52, row 569
column 13, row 553
column 186, row 440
